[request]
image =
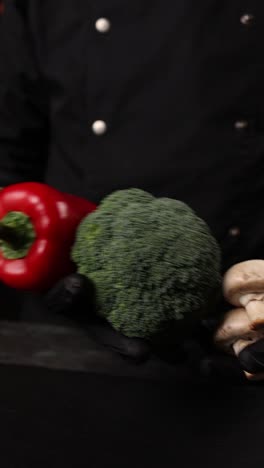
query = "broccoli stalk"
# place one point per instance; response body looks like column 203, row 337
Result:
column 153, row 262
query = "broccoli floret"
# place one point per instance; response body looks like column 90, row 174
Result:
column 152, row 260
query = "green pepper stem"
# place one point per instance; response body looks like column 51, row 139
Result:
column 10, row 235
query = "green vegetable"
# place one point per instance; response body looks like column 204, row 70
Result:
column 152, row 260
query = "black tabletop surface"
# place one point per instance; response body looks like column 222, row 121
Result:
column 127, row 416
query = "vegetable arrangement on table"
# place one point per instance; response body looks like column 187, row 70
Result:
column 155, row 267
column 143, row 264
column 152, row 260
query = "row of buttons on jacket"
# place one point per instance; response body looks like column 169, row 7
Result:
column 103, row 25
column 99, row 127
column 246, row 20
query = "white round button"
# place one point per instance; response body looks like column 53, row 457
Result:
column 102, row 25
column 99, row 127
column 234, row 231
column 247, row 19
column 241, row 124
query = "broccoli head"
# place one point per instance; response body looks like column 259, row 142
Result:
column 152, row 260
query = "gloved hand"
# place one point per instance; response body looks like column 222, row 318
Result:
column 252, row 359
column 206, row 360
column 73, row 297
column 237, row 334
column 247, row 365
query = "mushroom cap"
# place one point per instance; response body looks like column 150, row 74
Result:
column 235, row 325
column 254, row 377
column 243, row 278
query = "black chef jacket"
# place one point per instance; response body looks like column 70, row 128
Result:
column 168, row 97
column 98, row 95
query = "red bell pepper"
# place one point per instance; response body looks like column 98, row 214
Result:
column 37, row 229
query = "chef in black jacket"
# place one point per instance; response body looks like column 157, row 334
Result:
column 102, row 95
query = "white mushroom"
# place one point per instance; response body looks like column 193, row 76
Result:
column 254, row 377
column 243, row 285
column 235, row 333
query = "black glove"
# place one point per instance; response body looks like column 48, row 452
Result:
column 252, row 358
column 73, row 297
column 206, row 360
column 203, row 356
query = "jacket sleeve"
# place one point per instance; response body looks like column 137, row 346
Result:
column 24, row 126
